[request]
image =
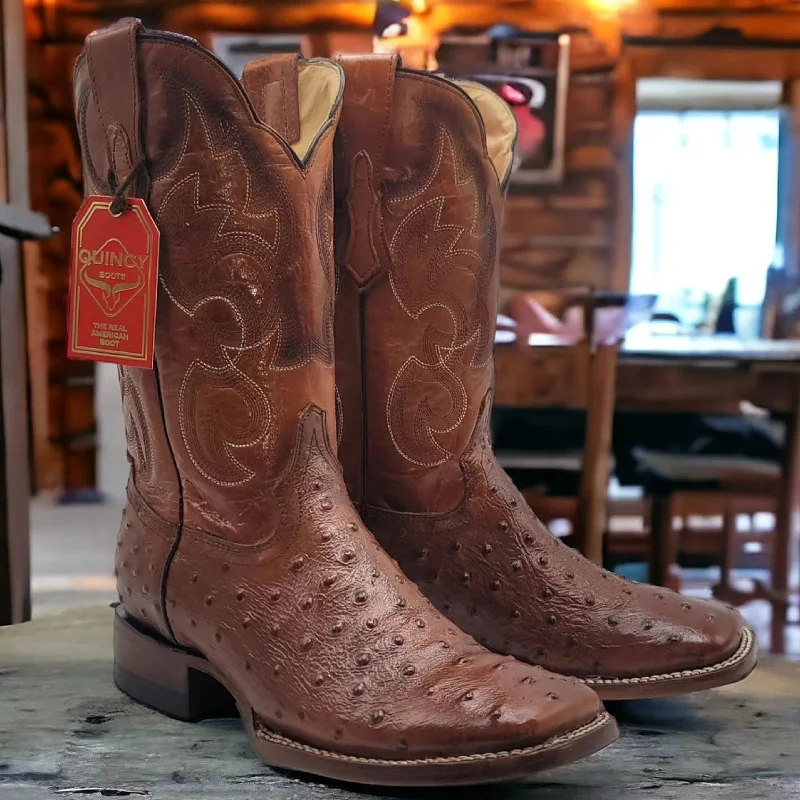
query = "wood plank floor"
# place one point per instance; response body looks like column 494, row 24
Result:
column 65, row 731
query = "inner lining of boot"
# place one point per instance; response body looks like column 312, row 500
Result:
column 500, row 124
column 318, row 85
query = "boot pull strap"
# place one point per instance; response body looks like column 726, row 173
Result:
column 272, row 86
column 373, row 75
column 364, row 128
column 112, row 58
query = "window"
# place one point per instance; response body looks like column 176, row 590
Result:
column 705, row 205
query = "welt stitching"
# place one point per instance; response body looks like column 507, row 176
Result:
column 135, row 84
column 741, row 653
column 283, row 109
column 599, row 722
column 382, row 146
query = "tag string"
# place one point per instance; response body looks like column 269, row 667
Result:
column 119, row 203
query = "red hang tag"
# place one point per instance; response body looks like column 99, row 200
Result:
column 113, row 283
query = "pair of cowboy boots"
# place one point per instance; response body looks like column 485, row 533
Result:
column 249, row 564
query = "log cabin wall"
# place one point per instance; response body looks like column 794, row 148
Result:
column 563, row 234
column 62, row 391
column 573, row 232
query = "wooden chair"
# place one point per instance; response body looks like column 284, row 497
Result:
column 685, row 523
column 577, row 375
column 735, row 493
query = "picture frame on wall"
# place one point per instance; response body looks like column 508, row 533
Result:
column 532, row 75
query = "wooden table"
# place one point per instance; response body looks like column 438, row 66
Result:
column 65, row 731
column 578, row 376
column 707, row 374
column 676, row 373
column 716, row 375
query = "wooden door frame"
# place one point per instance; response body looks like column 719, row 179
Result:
column 662, row 59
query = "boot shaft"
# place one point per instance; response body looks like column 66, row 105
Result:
column 245, row 317
column 419, row 188
column 240, row 545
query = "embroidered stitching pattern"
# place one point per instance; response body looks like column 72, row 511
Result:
column 249, row 253
column 425, row 235
column 361, row 256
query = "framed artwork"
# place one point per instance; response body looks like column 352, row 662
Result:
column 532, row 76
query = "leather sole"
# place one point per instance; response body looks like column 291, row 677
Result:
column 186, row 686
column 730, row 670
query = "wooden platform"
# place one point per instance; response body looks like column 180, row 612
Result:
column 67, row 732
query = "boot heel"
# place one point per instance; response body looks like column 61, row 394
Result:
column 165, row 677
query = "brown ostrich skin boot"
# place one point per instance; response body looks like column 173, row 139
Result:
column 421, row 167
column 244, row 570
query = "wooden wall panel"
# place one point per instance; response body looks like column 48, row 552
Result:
column 563, row 234
column 623, row 118
column 570, row 233
column 64, row 425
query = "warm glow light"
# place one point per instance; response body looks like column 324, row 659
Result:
column 417, row 36
column 610, row 5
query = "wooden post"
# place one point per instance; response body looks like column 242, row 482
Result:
column 664, row 541
column 786, row 526
column 597, row 448
column 15, row 604
column 623, row 119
